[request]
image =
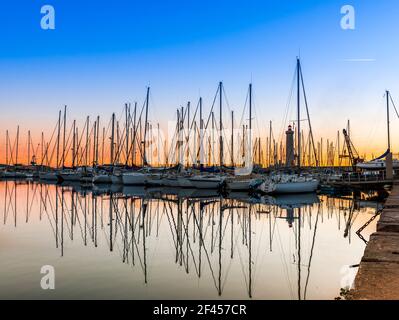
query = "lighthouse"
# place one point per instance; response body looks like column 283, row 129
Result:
column 289, row 147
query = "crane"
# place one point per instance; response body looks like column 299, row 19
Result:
column 352, row 153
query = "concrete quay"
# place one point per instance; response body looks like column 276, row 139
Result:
column 378, row 274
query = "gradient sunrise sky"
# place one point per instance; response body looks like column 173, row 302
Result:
column 103, row 54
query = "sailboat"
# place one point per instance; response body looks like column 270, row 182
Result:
column 287, row 184
column 137, row 178
column 379, row 162
column 293, row 183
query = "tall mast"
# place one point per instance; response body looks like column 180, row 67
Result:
column 250, row 125
column 298, row 112
column 389, row 134
column 7, row 147
column 97, row 138
column 42, row 150
column 232, row 138
column 74, row 144
column 87, row 142
column 270, row 143
column 220, row 125
column 201, row 133
column 112, row 139
column 145, row 127
column 127, row 113
column 16, row 152
column 64, row 139
column 134, row 135
column 102, row 147
column 58, row 138
column 94, row 142
column 28, row 147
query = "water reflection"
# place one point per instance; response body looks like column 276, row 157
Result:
column 265, row 247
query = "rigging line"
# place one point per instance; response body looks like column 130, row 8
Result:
column 307, row 112
column 393, row 103
column 244, row 109
column 51, row 139
column 210, row 112
column 287, row 107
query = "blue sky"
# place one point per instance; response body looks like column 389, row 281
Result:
column 102, row 54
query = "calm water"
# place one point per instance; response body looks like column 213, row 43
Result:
column 134, row 243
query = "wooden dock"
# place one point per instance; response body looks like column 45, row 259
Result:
column 378, row 274
column 361, row 182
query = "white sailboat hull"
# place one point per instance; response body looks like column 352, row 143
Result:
column 377, row 165
column 291, row 187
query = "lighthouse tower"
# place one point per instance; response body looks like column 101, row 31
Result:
column 289, row 147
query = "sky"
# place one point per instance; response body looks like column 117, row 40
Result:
column 103, row 54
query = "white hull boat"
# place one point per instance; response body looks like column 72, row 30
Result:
column 377, row 165
column 134, row 178
column 290, row 186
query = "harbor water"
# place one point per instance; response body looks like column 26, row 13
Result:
column 110, row 242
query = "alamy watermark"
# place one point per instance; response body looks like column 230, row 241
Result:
column 47, row 282
column 47, row 21
column 348, row 20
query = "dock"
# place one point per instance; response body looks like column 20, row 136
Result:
column 378, row 274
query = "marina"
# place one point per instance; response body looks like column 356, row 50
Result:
column 199, row 151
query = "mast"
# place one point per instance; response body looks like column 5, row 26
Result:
column 42, row 150
column 134, row 135
column 94, row 142
column 58, row 138
column 232, row 138
column 28, row 147
column 220, row 125
column 298, row 112
column 7, row 147
column 270, row 143
column 388, row 129
column 97, row 137
column 87, row 142
column 64, row 139
column 112, row 139
column 74, row 144
column 102, row 147
column 16, row 151
column 201, row 133
column 127, row 133
column 250, row 125
column 145, row 127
